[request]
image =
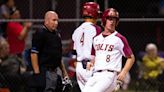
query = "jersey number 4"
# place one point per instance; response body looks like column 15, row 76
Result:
column 82, row 39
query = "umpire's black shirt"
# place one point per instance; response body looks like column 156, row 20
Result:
column 48, row 46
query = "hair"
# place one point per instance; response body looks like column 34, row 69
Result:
column 13, row 10
column 3, row 45
column 5, row 1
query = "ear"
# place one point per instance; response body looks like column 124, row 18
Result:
column 117, row 21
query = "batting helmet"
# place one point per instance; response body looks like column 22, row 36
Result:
column 91, row 9
column 110, row 13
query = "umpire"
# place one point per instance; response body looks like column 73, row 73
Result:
column 46, row 55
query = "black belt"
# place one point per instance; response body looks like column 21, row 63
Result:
column 50, row 67
column 104, row 70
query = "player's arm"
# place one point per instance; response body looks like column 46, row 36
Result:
column 74, row 56
column 74, row 52
column 127, row 52
column 129, row 62
column 92, row 61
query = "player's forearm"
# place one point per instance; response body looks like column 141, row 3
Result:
column 62, row 67
column 128, row 64
column 34, row 61
column 23, row 34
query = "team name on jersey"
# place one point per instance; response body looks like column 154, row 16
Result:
column 104, row 47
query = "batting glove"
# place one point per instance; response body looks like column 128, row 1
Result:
column 118, row 86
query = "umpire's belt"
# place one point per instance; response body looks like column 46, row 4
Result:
column 107, row 70
column 50, row 68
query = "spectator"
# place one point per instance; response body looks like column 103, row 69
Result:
column 16, row 34
column 6, row 8
column 152, row 65
column 152, row 62
column 5, row 13
column 9, row 69
column 161, row 7
column 4, row 48
column 3, row 53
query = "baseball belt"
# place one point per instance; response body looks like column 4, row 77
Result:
column 105, row 70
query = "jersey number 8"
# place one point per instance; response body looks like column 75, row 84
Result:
column 107, row 58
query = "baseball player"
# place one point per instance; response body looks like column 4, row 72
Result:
column 109, row 47
column 83, row 38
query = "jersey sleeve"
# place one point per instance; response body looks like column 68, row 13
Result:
column 125, row 49
column 37, row 42
column 93, row 51
column 98, row 29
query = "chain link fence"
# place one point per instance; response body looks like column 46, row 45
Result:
column 141, row 21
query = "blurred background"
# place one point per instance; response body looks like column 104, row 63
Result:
column 141, row 22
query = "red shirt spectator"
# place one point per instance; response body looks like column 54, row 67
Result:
column 16, row 34
column 16, row 45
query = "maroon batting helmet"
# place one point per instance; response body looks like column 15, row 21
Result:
column 110, row 13
column 91, row 9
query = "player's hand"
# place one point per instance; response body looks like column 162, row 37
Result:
column 121, row 76
column 118, row 86
column 85, row 63
column 89, row 65
column 75, row 62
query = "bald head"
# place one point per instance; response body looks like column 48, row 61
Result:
column 151, row 50
column 51, row 20
column 151, row 46
column 49, row 14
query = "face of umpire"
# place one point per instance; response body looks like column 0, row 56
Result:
column 51, row 20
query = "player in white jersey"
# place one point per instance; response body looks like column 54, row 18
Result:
column 109, row 47
column 83, row 38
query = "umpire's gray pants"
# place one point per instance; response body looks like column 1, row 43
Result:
column 51, row 81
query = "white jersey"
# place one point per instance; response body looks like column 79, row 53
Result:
column 109, row 51
column 83, row 39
